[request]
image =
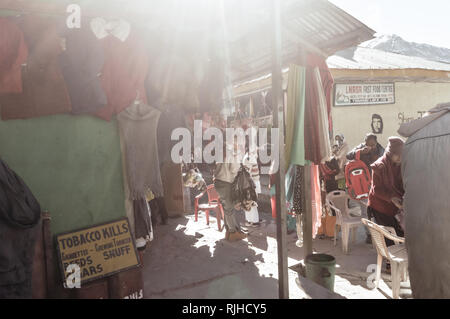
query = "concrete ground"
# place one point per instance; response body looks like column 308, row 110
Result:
column 190, row 260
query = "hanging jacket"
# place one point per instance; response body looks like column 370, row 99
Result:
column 19, row 214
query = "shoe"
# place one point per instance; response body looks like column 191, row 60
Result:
column 236, row 236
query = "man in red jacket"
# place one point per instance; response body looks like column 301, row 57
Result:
column 386, row 193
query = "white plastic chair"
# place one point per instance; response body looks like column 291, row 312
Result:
column 338, row 200
column 396, row 254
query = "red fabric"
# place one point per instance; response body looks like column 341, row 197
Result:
column 327, row 82
column 13, row 53
column 386, row 183
column 312, row 139
column 124, row 72
column 44, row 89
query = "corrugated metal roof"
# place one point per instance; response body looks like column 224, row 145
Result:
column 315, row 22
column 247, row 23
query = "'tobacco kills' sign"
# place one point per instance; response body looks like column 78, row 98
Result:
column 99, row 251
column 364, row 94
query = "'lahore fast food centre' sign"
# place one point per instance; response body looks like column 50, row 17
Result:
column 99, row 251
column 364, row 94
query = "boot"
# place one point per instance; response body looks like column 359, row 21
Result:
column 236, row 236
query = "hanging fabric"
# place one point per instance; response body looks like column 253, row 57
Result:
column 44, row 89
column 316, row 200
column 311, row 130
column 327, row 81
column 81, row 63
column 118, row 28
column 124, row 72
column 295, row 117
column 138, row 126
column 324, row 137
column 13, row 53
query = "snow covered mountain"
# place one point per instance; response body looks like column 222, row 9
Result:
column 395, row 44
column 391, row 52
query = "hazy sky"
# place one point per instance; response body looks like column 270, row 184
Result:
column 422, row 21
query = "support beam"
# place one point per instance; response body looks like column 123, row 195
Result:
column 278, row 122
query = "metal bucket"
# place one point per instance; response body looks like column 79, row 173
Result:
column 321, row 269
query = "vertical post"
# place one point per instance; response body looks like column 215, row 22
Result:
column 278, row 122
column 307, row 216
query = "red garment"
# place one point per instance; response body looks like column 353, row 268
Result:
column 386, row 183
column 44, row 89
column 13, row 53
column 312, row 136
column 124, row 72
column 327, row 82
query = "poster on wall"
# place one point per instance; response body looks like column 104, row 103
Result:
column 364, row 94
column 97, row 251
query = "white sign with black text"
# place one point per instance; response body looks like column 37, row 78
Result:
column 364, row 94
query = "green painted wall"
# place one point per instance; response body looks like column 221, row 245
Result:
column 72, row 164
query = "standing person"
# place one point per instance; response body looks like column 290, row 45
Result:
column 386, row 193
column 341, row 156
column 251, row 164
column 371, row 150
column 328, row 172
column 224, row 176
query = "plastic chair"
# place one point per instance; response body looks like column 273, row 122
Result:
column 396, row 254
column 338, row 200
column 213, row 204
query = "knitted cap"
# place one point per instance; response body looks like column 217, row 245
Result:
column 395, row 146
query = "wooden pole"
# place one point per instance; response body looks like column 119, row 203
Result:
column 278, row 122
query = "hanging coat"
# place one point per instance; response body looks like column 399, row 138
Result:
column 426, row 180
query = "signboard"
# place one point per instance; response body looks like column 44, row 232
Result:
column 98, row 251
column 364, row 94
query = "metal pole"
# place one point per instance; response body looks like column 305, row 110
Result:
column 278, row 122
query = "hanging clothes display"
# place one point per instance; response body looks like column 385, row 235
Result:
column 13, row 53
column 327, row 80
column 126, row 65
column 44, row 89
column 81, row 63
column 316, row 200
column 20, row 213
column 138, row 125
column 295, row 117
column 312, row 135
column 325, row 144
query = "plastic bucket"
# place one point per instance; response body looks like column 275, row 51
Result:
column 321, row 269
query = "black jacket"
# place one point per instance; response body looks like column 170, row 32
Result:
column 368, row 159
column 19, row 215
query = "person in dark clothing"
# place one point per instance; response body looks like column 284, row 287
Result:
column 328, row 172
column 386, row 193
column 158, row 207
column 371, row 150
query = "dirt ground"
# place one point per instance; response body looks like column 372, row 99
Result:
column 191, row 260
